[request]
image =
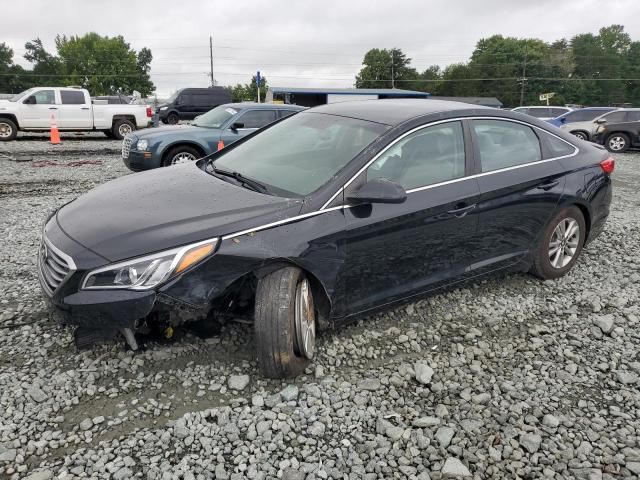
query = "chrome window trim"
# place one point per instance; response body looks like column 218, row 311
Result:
column 324, row 208
column 457, row 119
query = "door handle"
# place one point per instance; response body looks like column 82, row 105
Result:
column 462, row 210
column 84, row 108
column 547, row 185
column 53, row 108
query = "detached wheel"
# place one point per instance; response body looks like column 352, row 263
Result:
column 179, row 155
column 173, row 118
column 617, row 142
column 285, row 323
column 580, row 134
column 560, row 245
column 122, row 128
column 8, row 130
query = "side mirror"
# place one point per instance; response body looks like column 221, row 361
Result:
column 237, row 125
column 378, row 190
column 30, row 100
column 601, row 120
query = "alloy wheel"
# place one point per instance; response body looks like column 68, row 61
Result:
column 182, row 157
column 564, row 242
column 305, row 321
column 124, row 129
column 617, row 143
column 5, row 130
column 580, row 135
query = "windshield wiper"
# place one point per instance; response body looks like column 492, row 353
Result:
column 247, row 182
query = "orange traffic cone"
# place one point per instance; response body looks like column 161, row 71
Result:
column 220, row 144
column 55, row 134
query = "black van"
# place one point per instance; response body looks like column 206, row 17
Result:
column 188, row 103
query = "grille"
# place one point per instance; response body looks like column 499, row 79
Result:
column 54, row 266
column 126, row 146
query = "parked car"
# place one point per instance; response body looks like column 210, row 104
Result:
column 619, row 130
column 161, row 147
column 323, row 217
column 577, row 121
column 543, row 113
column 31, row 111
column 188, row 103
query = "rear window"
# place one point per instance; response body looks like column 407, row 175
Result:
column 72, row 97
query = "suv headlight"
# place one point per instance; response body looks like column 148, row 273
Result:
column 144, row 273
column 163, row 108
column 142, row 145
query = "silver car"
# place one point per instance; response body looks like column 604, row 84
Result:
column 587, row 129
column 543, row 113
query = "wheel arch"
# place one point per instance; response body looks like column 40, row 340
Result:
column 130, row 118
column 580, row 130
column 181, row 143
column 12, row 117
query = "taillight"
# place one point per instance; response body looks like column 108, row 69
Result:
column 149, row 112
column 608, row 165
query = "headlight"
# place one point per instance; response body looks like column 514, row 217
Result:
column 142, row 145
column 600, row 129
column 146, row 272
column 163, row 108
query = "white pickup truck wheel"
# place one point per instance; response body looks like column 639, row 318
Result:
column 8, row 130
column 122, row 128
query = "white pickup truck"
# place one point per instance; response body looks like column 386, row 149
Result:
column 72, row 109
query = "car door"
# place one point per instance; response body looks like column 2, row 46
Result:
column 633, row 117
column 396, row 250
column 36, row 110
column 520, row 183
column 251, row 120
column 74, row 110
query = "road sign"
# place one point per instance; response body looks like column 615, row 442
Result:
column 546, row 96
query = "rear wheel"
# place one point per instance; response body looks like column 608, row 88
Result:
column 122, row 128
column 560, row 245
column 285, row 323
column 181, row 154
column 173, row 118
column 617, row 142
column 8, row 130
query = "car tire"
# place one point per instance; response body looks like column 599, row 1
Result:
column 582, row 135
column 617, row 142
column 180, row 154
column 285, row 323
column 8, row 130
column 173, row 118
column 122, row 128
column 558, row 249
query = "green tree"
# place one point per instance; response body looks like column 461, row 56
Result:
column 103, row 65
column 11, row 76
column 249, row 92
column 380, row 66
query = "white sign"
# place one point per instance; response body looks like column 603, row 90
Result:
column 546, row 96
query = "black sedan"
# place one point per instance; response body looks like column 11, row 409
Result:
column 322, row 217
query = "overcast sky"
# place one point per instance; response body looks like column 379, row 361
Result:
column 302, row 43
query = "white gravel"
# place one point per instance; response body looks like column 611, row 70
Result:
column 506, row 378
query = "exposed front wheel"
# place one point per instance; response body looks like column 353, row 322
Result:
column 173, row 118
column 560, row 245
column 179, row 155
column 285, row 323
column 122, row 128
column 617, row 142
column 581, row 135
column 8, row 130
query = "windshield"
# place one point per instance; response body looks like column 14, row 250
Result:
column 217, row 117
column 173, row 97
column 18, row 96
column 301, row 153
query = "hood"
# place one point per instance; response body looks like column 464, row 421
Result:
column 161, row 131
column 165, row 208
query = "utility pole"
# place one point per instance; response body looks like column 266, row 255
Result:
column 393, row 80
column 211, row 59
column 523, row 80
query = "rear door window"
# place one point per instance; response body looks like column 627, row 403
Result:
column 633, row 116
column 72, row 97
column 615, row 117
column 540, row 112
column 257, row 118
column 504, row 144
column 285, row 113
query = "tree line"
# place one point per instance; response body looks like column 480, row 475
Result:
column 102, row 65
column 588, row 69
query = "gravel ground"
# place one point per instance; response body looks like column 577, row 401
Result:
column 506, row 378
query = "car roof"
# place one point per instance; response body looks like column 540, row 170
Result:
column 393, row 111
column 258, row 106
